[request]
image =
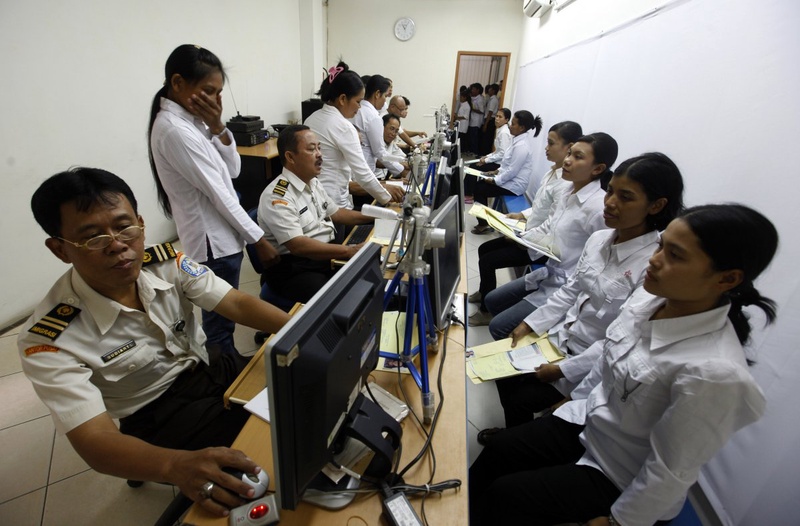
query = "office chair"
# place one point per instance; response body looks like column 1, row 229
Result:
column 266, row 293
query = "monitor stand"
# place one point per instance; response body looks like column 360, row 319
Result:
column 371, row 425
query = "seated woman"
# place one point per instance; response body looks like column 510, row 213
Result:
column 512, row 178
column 670, row 389
column 578, row 214
column 643, row 196
column 502, row 252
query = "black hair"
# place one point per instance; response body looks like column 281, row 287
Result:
column 287, row 140
column 569, row 131
column 388, row 117
column 605, row 150
column 463, row 89
column 506, row 112
column 85, row 187
column 192, row 63
column 376, row 83
column 720, row 229
column 408, row 102
column 478, row 86
column 659, row 177
column 345, row 82
column 526, row 119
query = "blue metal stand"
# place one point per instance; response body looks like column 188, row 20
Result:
column 418, row 306
column 430, row 177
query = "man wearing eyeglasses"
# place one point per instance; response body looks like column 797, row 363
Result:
column 116, row 338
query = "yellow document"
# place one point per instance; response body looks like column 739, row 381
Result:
column 491, row 360
column 392, row 337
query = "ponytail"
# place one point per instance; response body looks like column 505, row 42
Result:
column 743, row 296
column 537, row 125
column 163, row 198
column 721, row 229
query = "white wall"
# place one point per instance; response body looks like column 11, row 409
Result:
column 423, row 68
column 714, row 86
column 78, row 80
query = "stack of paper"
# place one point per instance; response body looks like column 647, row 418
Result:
column 499, row 360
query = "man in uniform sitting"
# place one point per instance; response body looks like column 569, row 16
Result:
column 116, row 338
column 297, row 216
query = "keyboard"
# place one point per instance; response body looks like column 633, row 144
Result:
column 359, row 234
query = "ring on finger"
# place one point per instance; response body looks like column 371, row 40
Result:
column 205, row 491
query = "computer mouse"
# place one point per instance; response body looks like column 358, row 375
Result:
column 259, row 482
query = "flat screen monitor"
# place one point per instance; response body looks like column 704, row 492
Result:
column 455, row 152
column 457, row 190
column 316, row 367
column 445, row 262
column 442, row 188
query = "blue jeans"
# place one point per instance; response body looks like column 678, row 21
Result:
column 218, row 329
column 509, row 307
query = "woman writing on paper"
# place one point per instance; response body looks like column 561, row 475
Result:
column 642, row 198
column 668, row 391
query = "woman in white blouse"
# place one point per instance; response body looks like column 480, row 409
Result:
column 577, row 215
column 342, row 156
column 502, row 140
column 670, row 389
column 643, row 196
column 194, row 160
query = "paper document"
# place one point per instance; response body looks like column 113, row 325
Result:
column 480, row 211
column 498, row 221
column 382, row 233
column 259, row 405
column 499, row 360
column 477, row 173
column 392, row 339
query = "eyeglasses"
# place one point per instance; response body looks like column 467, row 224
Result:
column 100, row 242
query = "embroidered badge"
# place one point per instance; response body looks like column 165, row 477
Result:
column 191, row 267
column 158, row 253
column 122, row 349
column 54, row 322
column 280, row 202
column 280, row 187
column 40, row 348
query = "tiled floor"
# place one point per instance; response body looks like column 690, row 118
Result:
column 44, row 482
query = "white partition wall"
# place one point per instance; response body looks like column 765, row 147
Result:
column 716, row 86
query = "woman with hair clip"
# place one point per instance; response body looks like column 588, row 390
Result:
column 576, row 216
column 644, row 195
column 343, row 159
column 516, row 167
column 369, row 124
column 193, row 158
column 668, row 391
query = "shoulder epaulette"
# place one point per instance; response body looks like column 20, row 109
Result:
column 280, row 187
column 159, row 253
column 54, row 322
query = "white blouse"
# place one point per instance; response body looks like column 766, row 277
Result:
column 663, row 399
column 342, row 157
column 196, row 171
column 516, row 168
column 578, row 314
column 502, row 141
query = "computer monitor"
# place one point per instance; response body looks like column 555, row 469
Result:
column 455, row 152
column 445, row 262
column 442, row 189
column 316, row 367
column 457, row 189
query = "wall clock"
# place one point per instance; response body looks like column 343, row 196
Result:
column 404, row 29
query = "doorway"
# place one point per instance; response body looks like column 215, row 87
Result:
column 483, row 67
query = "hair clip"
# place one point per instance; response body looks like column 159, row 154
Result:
column 333, row 72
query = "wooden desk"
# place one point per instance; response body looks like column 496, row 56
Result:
column 449, row 442
column 259, row 167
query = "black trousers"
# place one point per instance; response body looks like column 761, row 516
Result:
column 190, row 414
column 527, row 475
column 470, row 180
column 483, row 191
column 495, row 254
column 523, row 395
column 297, row 278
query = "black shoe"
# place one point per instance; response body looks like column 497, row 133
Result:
column 485, row 435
